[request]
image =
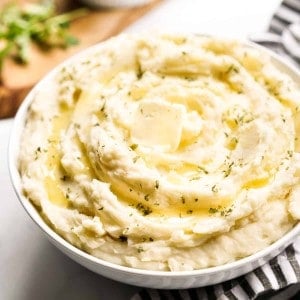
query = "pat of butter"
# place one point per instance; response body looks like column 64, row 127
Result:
column 158, row 123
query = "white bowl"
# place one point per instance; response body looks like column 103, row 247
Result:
column 146, row 278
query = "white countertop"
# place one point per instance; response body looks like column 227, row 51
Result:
column 31, row 267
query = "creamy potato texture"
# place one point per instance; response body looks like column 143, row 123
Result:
column 166, row 152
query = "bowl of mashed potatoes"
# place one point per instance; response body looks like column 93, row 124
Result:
column 163, row 160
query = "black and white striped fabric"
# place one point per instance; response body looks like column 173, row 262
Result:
column 283, row 36
column 280, row 278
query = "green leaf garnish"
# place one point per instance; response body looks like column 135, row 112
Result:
column 37, row 23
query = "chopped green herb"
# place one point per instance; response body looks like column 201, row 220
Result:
column 189, row 78
column 36, row 152
column 144, row 209
column 133, row 146
column 222, row 210
column 228, row 170
column 226, row 212
column 140, row 72
column 140, row 249
column 213, row 210
column 195, row 178
column 156, row 184
column 65, row 178
column 235, row 140
column 215, row 188
column 203, row 169
column 232, row 68
column 135, row 159
column 103, row 106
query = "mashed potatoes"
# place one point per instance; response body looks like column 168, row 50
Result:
column 166, row 152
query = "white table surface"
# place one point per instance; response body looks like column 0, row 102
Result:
column 30, row 267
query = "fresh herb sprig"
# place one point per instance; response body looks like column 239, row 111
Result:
column 37, row 23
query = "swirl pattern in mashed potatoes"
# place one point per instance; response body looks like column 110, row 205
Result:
column 166, row 152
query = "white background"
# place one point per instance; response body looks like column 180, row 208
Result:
column 30, row 267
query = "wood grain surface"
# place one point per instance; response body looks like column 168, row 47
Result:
column 96, row 26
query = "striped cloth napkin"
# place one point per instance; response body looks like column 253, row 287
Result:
column 280, row 278
column 283, row 36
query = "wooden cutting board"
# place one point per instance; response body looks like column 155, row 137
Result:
column 96, row 26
